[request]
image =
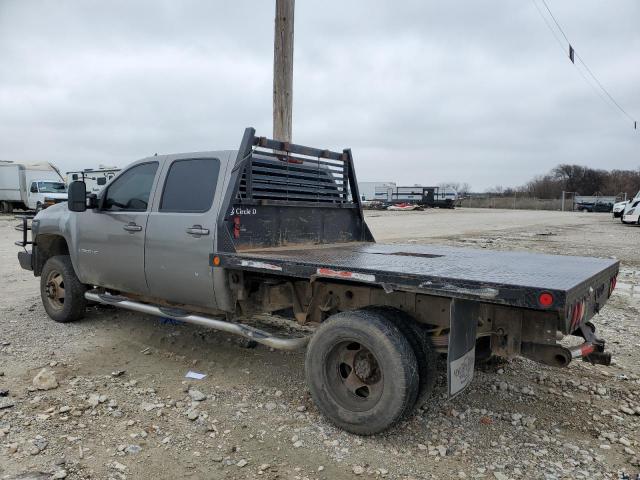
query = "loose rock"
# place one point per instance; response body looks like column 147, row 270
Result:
column 45, row 380
column 197, row 395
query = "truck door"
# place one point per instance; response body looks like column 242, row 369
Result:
column 180, row 233
column 33, row 196
column 111, row 239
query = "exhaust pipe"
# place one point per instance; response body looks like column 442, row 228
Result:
column 246, row 331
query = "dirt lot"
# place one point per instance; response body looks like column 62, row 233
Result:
column 121, row 409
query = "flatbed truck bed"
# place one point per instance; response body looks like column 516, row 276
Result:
column 504, row 277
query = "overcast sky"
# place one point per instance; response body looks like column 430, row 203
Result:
column 422, row 91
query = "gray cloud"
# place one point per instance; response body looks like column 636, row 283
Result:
column 476, row 92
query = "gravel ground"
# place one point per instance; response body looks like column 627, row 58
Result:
column 118, row 404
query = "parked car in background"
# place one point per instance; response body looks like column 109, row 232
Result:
column 594, row 206
column 632, row 212
column 627, row 214
column 584, row 206
column 606, row 207
column 618, row 208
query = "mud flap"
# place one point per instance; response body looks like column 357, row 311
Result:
column 463, row 318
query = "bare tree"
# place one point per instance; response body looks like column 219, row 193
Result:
column 460, row 187
column 583, row 180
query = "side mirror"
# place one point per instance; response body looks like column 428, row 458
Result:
column 77, row 196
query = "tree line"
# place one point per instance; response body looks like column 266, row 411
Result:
column 576, row 179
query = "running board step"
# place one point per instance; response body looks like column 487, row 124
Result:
column 260, row 336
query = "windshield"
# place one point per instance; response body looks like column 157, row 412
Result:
column 52, row 187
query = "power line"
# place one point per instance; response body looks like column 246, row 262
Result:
column 604, row 89
column 563, row 50
column 556, row 22
column 573, row 54
column 585, row 65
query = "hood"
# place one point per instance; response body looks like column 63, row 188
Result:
column 62, row 196
column 620, row 204
column 53, row 211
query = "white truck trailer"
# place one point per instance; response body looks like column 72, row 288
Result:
column 95, row 179
column 442, row 197
column 30, row 186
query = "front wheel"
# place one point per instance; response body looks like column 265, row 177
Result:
column 362, row 372
column 61, row 291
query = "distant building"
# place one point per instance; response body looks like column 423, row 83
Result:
column 368, row 190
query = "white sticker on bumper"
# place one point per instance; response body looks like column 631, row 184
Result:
column 261, row 265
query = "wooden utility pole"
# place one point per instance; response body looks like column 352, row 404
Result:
column 283, row 70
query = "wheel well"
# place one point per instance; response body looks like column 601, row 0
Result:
column 48, row 246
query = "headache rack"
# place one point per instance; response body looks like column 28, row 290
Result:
column 283, row 194
column 285, row 172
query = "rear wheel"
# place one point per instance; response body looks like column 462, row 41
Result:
column 422, row 346
column 61, row 291
column 362, row 371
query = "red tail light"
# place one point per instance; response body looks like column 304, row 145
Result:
column 236, row 227
column 545, row 299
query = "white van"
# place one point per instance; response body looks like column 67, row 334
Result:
column 631, row 212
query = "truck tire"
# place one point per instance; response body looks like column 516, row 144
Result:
column 61, row 291
column 7, row 207
column 422, row 346
column 362, row 371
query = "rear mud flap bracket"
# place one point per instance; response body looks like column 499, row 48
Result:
column 463, row 317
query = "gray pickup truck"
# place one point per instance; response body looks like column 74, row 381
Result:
column 213, row 238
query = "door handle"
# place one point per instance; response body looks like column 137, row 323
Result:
column 132, row 227
column 197, row 230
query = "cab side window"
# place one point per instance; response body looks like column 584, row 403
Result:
column 131, row 191
column 190, row 185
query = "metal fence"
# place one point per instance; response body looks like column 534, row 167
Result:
column 522, row 203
